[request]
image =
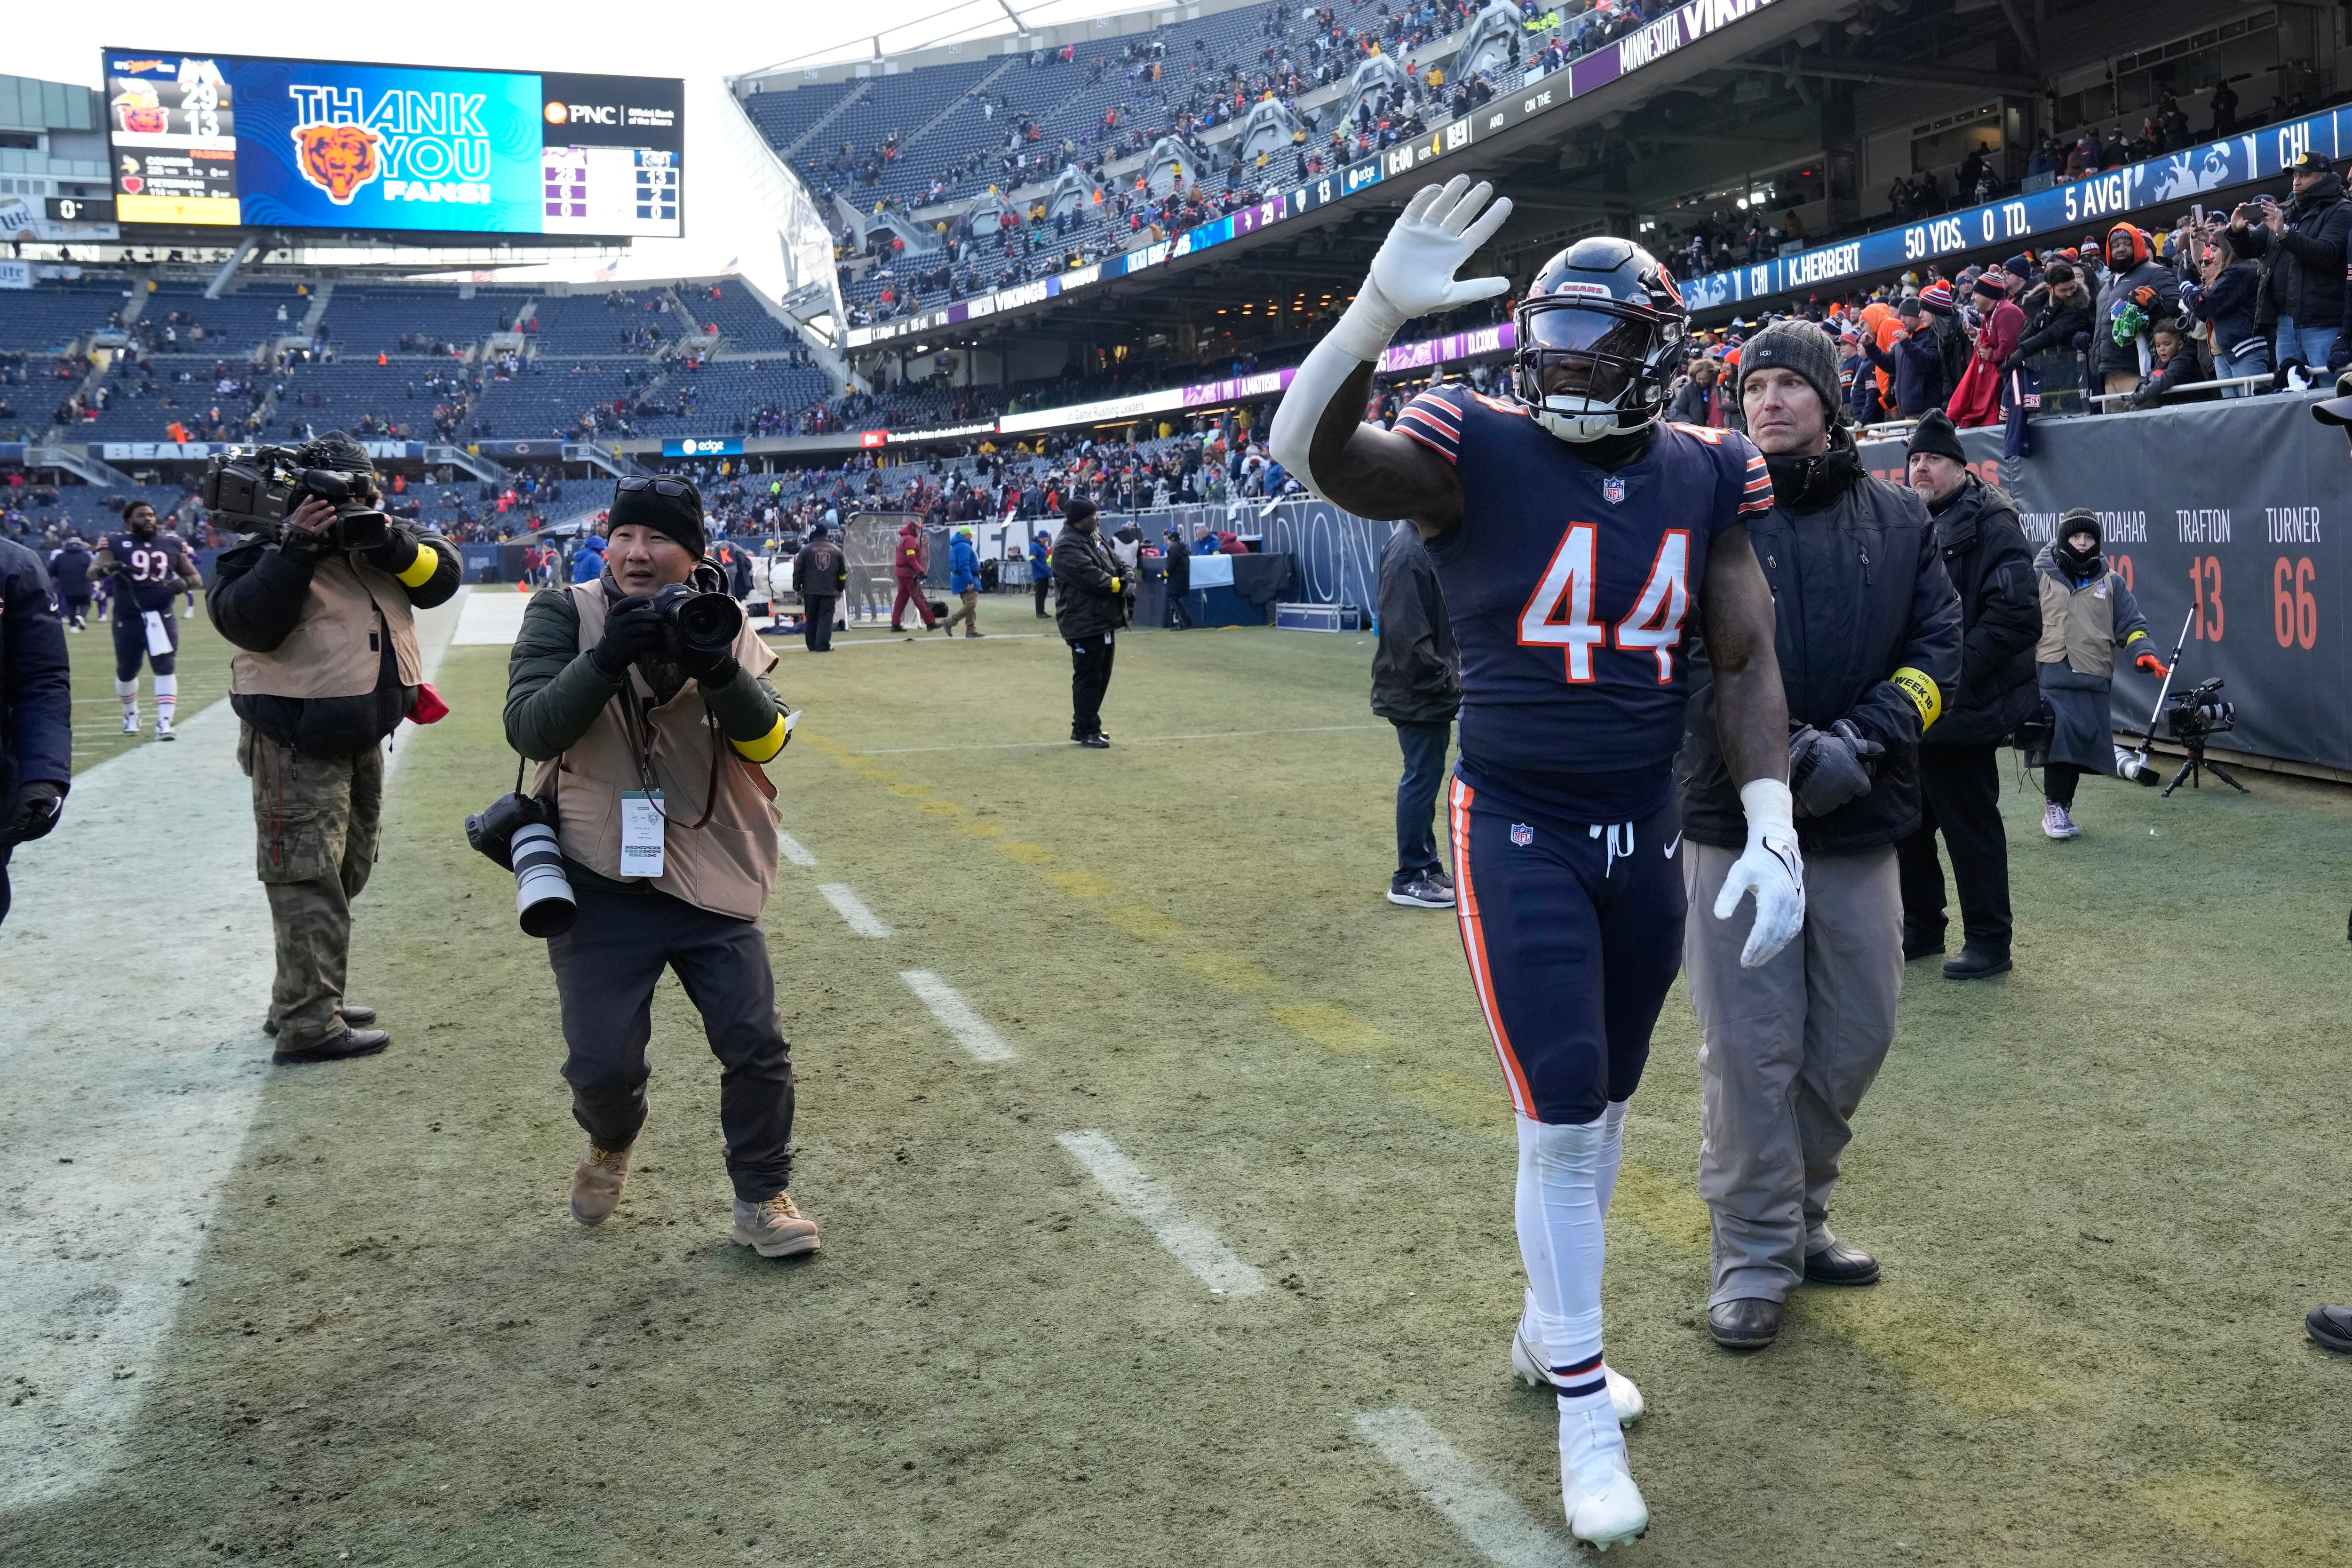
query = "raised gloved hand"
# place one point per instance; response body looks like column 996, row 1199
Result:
column 1825, row 769
column 1772, row 868
column 1439, row 230
column 2153, row 665
column 38, row 807
column 633, row 629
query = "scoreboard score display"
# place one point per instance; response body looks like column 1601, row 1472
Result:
column 235, row 141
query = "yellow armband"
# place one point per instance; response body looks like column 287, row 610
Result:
column 765, row 748
column 2134, row 637
column 419, row 572
column 1925, row 695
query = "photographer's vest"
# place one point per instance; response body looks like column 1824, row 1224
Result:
column 728, row 865
column 2078, row 624
column 336, row 648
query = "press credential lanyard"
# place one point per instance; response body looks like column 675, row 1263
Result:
column 641, row 824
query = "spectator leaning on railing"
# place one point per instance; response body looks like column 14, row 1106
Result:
column 2118, row 362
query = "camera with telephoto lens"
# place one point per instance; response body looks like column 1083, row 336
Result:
column 519, row 833
column 701, row 615
column 248, row 491
column 2193, row 715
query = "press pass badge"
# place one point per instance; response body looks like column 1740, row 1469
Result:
column 158, row 635
column 641, row 833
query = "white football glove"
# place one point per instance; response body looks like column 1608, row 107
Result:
column 1413, row 273
column 1772, row 868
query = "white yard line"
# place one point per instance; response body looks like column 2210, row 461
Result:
column 1490, row 1519
column 972, row 1031
column 794, row 850
column 135, row 1061
column 490, row 615
column 852, row 909
column 887, row 640
column 1137, row 1191
column 1129, row 741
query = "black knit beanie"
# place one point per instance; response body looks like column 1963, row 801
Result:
column 1802, row 347
column 1936, row 433
column 680, row 516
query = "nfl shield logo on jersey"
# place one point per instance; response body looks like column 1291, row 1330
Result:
column 1522, row 835
column 1612, row 490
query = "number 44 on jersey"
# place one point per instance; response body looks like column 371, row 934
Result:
column 1560, row 612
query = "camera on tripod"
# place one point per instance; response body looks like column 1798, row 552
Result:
column 702, row 616
column 2195, row 714
column 248, row 491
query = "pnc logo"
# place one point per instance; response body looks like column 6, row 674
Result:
column 582, row 114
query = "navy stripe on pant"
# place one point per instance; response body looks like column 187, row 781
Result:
column 1574, row 932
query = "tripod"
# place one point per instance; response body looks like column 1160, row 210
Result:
column 2197, row 764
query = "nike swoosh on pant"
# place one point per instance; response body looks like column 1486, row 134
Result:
column 1673, row 843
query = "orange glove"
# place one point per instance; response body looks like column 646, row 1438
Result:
column 2153, row 665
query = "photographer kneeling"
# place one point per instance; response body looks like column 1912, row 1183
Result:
column 649, row 734
column 319, row 604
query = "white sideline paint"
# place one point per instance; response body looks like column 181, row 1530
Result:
column 490, row 617
column 852, row 909
column 793, row 849
column 136, row 1052
column 1135, row 1189
column 972, row 1031
column 1490, row 1519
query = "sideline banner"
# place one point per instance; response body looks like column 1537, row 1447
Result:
column 2236, row 509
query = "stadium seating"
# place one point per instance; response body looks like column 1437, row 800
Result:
column 597, row 324
column 235, row 324
column 45, row 320
column 374, row 319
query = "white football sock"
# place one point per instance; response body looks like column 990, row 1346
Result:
column 167, row 696
column 128, row 691
column 1613, row 1124
column 1558, row 1211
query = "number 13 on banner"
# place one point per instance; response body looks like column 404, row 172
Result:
column 1559, row 614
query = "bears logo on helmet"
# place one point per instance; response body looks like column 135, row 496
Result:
column 1601, row 334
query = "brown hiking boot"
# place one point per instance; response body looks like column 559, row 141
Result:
column 774, row 1227
column 596, row 1184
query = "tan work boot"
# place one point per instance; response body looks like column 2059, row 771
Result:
column 774, row 1227
column 596, row 1184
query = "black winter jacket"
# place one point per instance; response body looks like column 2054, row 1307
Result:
column 2109, row 357
column 259, row 588
column 1417, row 667
column 2001, row 615
column 2226, row 306
column 2057, row 327
column 1859, row 593
column 1085, row 603
column 35, row 687
column 2308, row 277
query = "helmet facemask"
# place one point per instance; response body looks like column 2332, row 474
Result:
column 1590, row 367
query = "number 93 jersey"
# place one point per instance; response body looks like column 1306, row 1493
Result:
column 1569, row 587
column 153, row 569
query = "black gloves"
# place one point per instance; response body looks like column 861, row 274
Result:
column 712, row 670
column 1828, row 770
column 633, row 629
column 396, row 554
column 38, row 807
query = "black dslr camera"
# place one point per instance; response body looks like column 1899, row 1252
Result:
column 248, row 490
column 519, row 833
column 701, row 615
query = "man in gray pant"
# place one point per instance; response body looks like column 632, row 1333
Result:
column 1868, row 637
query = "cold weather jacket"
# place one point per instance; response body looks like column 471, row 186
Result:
column 328, row 661
column 2227, row 307
column 1086, row 601
column 2109, row 357
column 963, row 566
column 1985, row 556
column 69, row 571
column 1179, row 568
column 1716, row 405
column 36, row 684
column 1916, row 364
column 2165, row 376
column 910, row 555
column 1041, row 561
column 1861, row 388
column 2306, row 278
column 1416, row 668
column 2055, row 327
column 1868, row 628
column 821, row 570
column 2083, row 621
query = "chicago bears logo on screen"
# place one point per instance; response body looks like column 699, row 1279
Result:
column 337, row 159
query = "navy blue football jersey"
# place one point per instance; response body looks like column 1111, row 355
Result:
column 154, row 571
column 1570, row 587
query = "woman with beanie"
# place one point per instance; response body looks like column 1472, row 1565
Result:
column 2087, row 613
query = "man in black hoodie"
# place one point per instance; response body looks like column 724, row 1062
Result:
column 328, row 665
column 1960, row 768
column 1868, row 641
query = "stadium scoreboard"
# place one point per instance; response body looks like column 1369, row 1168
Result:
column 239, row 141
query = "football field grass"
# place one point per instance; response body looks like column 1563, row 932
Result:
column 1238, row 1177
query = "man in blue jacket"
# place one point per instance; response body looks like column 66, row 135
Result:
column 964, row 579
column 1915, row 362
column 1041, row 568
column 36, row 707
column 588, row 561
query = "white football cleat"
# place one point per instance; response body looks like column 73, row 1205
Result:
column 130, row 723
column 164, row 729
column 1604, row 1508
column 1624, row 1398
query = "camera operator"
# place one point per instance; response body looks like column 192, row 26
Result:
column 36, row 707
column 326, row 666
column 626, row 718
column 2087, row 613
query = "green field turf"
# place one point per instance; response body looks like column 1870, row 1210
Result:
column 2104, row 1190
column 98, row 712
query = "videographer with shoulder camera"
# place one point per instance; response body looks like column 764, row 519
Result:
column 2087, row 613
column 319, row 599
column 644, row 698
